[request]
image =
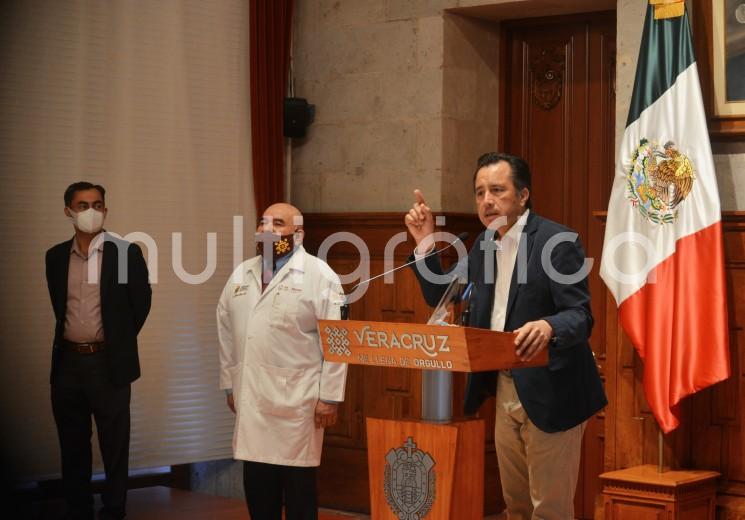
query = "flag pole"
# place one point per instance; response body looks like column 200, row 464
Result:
column 660, row 451
column 665, row 9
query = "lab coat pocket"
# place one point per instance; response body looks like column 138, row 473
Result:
column 287, row 392
column 284, row 306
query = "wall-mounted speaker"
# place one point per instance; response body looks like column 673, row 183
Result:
column 299, row 114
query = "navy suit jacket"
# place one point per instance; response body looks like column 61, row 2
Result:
column 567, row 391
column 124, row 306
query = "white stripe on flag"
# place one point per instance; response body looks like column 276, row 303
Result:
column 676, row 116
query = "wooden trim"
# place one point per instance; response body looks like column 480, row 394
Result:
column 503, row 76
column 733, row 220
column 721, row 128
column 368, row 219
column 376, row 229
column 561, row 19
column 730, row 219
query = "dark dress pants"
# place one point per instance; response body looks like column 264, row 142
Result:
column 81, row 389
column 267, row 486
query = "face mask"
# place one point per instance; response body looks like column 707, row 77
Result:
column 280, row 248
column 88, row 221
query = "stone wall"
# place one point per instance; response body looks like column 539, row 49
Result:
column 406, row 96
column 470, row 108
column 374, row 71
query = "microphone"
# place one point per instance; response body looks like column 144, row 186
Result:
column 462, row 237
column 465, row 315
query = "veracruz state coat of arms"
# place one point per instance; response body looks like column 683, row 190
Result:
column 409, row 481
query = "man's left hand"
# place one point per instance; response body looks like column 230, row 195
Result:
column 532, row 338
column 326, row 414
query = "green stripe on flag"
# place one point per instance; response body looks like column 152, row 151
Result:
column 666, row 51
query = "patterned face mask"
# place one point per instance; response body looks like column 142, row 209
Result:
column 281, row 247
column 284, row 246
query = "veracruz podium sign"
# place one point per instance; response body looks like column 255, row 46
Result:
column 421, row 469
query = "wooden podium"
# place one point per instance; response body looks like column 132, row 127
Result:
column 421, row 469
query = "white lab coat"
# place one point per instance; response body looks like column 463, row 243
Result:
column 270, row 355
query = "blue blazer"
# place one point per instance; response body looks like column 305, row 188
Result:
column 568, row 391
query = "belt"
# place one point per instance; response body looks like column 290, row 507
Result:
column 83, row 348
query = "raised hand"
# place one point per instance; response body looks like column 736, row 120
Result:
column 420, row 222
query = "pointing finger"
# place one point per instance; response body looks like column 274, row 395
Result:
column 419, row 197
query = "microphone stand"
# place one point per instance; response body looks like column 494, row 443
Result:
column 344, row 308
column 436, row 384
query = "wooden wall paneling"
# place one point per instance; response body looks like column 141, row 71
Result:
column 350, row 425
column 730, row 396
column 345, row 458
column 600, row 152
column 630, row 418
column 611, row 378
column 717, row 424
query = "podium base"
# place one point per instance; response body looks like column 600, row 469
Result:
column 419, row 468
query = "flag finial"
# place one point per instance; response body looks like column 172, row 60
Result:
column 667, row 8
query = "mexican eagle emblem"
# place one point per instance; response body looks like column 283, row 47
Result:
column 409, row 481
column 658, row 180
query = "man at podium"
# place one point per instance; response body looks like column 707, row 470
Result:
column 541, row 411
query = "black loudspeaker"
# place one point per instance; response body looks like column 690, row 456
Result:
column 298, row 115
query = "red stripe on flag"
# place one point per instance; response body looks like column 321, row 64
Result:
column 679, row 324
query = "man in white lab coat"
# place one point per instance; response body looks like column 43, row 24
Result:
column 272, row 367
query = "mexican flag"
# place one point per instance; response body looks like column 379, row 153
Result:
column 662, row 256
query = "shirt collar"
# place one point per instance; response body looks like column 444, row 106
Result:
column 76, row 249
column 513, row 234
column 293, row 261
column 279, row 264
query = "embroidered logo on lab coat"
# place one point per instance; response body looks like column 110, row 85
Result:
column 240, row 290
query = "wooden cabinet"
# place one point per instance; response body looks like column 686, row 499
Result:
column 642, row 493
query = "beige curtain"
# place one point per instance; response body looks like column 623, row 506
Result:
column 150, row 99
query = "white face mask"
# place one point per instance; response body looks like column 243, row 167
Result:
column 88, row 221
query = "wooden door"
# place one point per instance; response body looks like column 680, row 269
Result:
column 558, row 113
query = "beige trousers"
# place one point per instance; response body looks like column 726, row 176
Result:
column 538, row 470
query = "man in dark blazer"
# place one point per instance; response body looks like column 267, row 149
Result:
column 100, row 294
column 530, row 277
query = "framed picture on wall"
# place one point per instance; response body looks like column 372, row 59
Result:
column 728, row 27
column 719, row 35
